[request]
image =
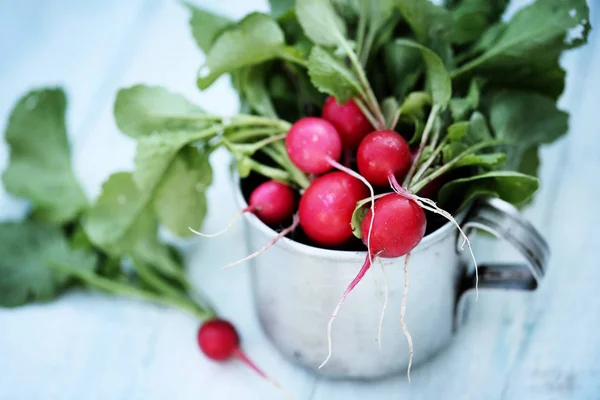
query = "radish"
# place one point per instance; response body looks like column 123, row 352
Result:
column 219, row 341
column 393, row 230
column 382, row 154
column 327, row 205
column 311, row 143
column 272, row 202
column 349, row 120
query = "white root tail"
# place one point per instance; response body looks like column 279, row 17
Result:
column 358, row 176
column 385, row 302
column 271, row 243
column 430, row 205
column 227, row 227
column 403, row 313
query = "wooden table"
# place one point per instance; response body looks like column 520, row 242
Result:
column 91, row 346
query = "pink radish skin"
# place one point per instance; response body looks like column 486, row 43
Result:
column 272, row 202
column 381, row 154
column 311, row 142
column 327, row 205
column 398, row 227
column 349, row 120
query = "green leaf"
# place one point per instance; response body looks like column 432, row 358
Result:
column 253, row 89
column 514, row 187
column 438, row 79
column 389, row 106
column 141, row 110
column 320, row 22
column 530, row 162
column 330, row 76
column 452, row 150
column 524, row 120
column 431, row 24
column 403, row 65
column 120, row 217
column 180, row 200
column 457, row 131
column 415, row 104
column 472, row 18
column 492, row 160
column 160, row 256
column 155, row 153
column 206, row 26
column 29, row 252
column 255, row 39
column 281, row 7
column 358, row 215
column 478, row 130
column 461, row 107
column 527, row 54
column 39, row 167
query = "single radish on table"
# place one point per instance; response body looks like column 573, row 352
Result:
column 272, row 202
column 348, row 119
column 327, row 205
column 219, row 341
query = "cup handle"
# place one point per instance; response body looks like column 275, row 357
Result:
column 505, row 222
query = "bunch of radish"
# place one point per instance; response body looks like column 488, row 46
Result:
column 347, row 161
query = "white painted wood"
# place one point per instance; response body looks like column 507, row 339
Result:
column 90, row 346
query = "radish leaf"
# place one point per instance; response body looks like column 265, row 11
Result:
column 513, row 187
column 320, row 22
column 39, row 168
column 206, row 26
column 525, row 120
column 141, row 110
column 527, row 52
column 180, row 200
column 253, row 40
column 29, row 251
column 331, row 76
column 472, row 17
column 120, row 217
column 438, row 78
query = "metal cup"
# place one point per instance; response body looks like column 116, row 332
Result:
column 296, row 288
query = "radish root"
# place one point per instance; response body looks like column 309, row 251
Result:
column 351, row 287
column 227, row 227
column 403, row 313
column 430, row 205
column 358, row 176
column 240, row 355
column 281, row 234
column 385, row 302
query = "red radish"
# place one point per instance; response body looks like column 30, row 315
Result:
column 432, row 188
column 349, row 120
column 219, row 341
column 381, row 154
column 272, row 202
column 327, row 205
column 311, row 142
